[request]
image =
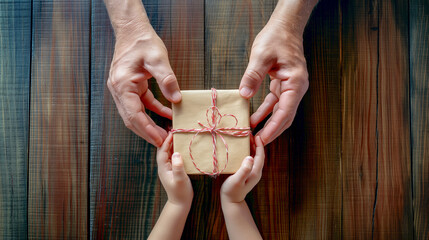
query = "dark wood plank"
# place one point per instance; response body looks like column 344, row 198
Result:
column 315, row 145
column 126, row 195
column 58, row 162
column 376, row 134
column 230, row 28
column 359, row 131
column 419, row 84
column 15, row 55
column 393, row 207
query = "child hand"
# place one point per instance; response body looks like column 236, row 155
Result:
column 236, row 187
column 173, row 176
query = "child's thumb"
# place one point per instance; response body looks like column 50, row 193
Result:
column 178, row 167
column 245, row 169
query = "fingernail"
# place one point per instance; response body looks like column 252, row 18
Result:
column 176, row 155
column 176, row 97
column 245, row 92
column 249, row 162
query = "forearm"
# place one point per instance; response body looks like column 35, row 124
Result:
column 293, row 14
column 171, row 222
column 127, row 16
column 239, row 221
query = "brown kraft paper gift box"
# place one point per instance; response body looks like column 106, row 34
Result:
column 191, row 110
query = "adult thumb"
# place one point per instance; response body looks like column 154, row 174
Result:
column 167, row 81
column 255, row 73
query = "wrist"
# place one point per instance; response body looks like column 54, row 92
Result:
column 128, row 17
column 229, row 206
column 182, row 205
column 292, row 15
column 227, row 201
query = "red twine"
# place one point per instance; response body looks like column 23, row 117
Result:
column 212, row 127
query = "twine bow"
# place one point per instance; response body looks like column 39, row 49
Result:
column 214, row 117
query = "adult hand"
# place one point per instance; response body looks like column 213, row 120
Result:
column 172, row 174
column 236, row 187
column 139, row 55
column 279, row 53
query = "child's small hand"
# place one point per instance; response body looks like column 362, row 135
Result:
column 173, row 176
column 236, row 187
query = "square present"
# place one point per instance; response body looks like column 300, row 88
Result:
column 203, row 113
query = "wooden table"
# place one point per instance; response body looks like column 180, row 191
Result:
column 354, row 164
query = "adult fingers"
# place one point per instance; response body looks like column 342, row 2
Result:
column 256, row 173
column 163, row 133
column 263, row 110
column 167, row 81
column 258, row 67
column 282, row 117
column 144, row 127
column 154, row 105
column 137, row 121
column 179, row 173
column 259, row 156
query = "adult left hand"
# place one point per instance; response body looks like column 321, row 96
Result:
column 277, row 51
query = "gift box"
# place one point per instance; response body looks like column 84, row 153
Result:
column 208, row 118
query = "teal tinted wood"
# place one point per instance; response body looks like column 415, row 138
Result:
column 419, row 84
column 123, row 172
column 15, row 56
column 230, row 28
column 58, row 161
column 126, row 195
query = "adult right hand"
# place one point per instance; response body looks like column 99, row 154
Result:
column 140, row 55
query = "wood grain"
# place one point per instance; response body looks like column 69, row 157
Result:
column 354, row 164
column 393, row 209
column 58, row 154
column 230, row 27
column 126, row 195
column 123, row 181
column 315, row 144
column 359, row 118
column 419, row 97
column 15, row 53
column 376, row 147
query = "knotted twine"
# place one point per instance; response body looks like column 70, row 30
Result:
column 214, row 117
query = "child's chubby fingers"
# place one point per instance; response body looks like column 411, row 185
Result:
column 243, row 172
column 163, row 152
column 256, row 173
column 178, row 168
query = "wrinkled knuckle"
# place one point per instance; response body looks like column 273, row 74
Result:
column 254, row 76
column 302, row 75
column 115, row 79
column 113, row 84
column 156, row 57
column 128, row 124
column 129, row 119
column 258, row 51
column 168, row 80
